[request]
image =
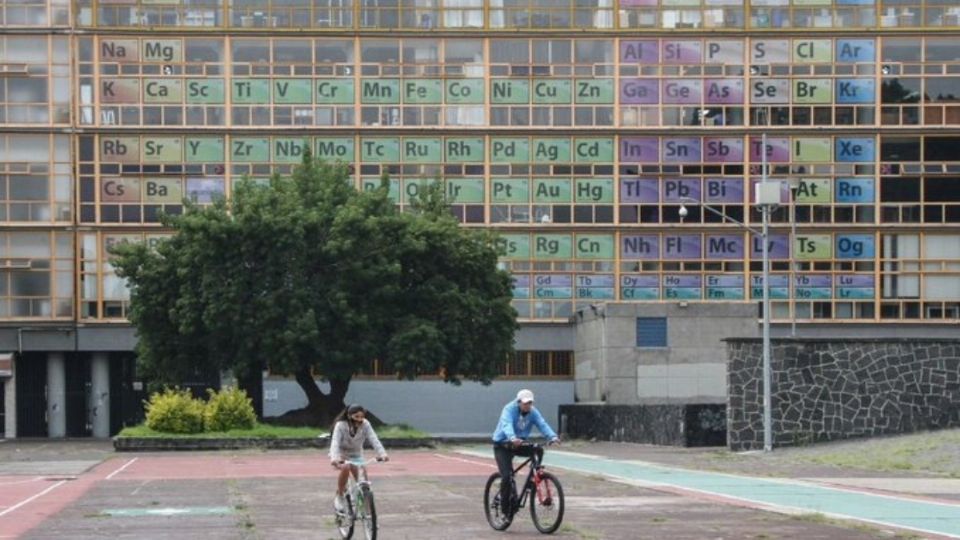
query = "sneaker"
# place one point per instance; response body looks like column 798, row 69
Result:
column 339, row 503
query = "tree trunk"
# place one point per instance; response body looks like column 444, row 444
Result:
column 321, row 408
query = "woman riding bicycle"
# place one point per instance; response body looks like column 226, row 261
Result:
column 516, row 421
column 350, row 430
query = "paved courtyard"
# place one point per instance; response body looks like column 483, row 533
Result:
column 84, row 491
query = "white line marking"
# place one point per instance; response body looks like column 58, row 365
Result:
column 125, row 465
column 465, row 461
column 37, row 496
column 141, row 486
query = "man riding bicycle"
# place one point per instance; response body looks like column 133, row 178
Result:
column 516, row 421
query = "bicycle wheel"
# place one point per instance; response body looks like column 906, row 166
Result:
column 345, row 521
column 546, row 505
column 367, row 514
column 498, row 516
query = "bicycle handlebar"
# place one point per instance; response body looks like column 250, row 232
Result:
column 360, row 462
column 525, row 444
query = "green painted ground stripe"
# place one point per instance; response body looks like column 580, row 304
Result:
column 167, row 512
column 923, row 516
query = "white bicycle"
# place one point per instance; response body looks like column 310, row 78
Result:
column 359, row 499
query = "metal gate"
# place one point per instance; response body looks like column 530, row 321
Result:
column 31, row 395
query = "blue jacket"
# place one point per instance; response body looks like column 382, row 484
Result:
column 514, row 425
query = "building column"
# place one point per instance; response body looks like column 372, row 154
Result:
column 100, row 388
column 56, row 396
column 10, row 402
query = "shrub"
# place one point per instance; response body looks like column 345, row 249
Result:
column 229, row 409
column 174, row 411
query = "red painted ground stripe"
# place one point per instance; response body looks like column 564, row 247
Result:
column 35, row 506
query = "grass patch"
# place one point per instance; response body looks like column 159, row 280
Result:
column 813, row 517
column 818, row 518
column 269, row 431
column 260, row 431
column 933, row 452
column 580, row 533
column 400, row 431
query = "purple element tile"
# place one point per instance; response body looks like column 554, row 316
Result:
column 683, row 91
column 681, row 150
column 776, row 280
column 812, row 280
column 683, row 280
column 722, row 150
column 639, row 150
column 854, row 280
column 675, row 189
column 680, row 52
column 777, row 244
column 553, row 280
column 595, row 280
column 639, row 91
column 723, row 91
column 639, row 51
column 723, row 190
column 640, row 246
column 778, row 150
column 725, row 280
column 639, row 190
column 682, row 246
column 640, row 280
column 725, row 246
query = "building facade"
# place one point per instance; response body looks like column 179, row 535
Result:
column 574, row 127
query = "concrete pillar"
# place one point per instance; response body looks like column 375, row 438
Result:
column 100, row 388
column 56, row 396
column 10, row 403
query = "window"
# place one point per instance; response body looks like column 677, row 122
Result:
column 651, row 331
column 36, row 275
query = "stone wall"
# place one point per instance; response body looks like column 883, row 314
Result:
column 830, row 389
column 669, row 425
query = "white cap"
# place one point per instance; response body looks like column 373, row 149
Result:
column 525, row 396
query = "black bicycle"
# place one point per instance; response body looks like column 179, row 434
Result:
column 541, row 489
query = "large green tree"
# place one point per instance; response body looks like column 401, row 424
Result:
column 311, row 278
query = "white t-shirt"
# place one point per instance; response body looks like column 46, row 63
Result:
column 343, row 445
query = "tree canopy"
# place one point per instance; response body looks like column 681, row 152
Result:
column 308, row 277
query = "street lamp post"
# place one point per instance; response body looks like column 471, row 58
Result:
column 794, row 184
column 767, row 197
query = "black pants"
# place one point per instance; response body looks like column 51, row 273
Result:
column 503, row 453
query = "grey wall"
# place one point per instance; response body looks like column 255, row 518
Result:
column 691, row 369
column 544, row 337
column 430, row 405
column 828, row 389
column 62, row 338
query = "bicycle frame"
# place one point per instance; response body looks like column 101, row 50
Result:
column 534, row 475
column 357, row 480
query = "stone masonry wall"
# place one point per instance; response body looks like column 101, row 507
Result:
column 668, row 425
column 829, row 389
